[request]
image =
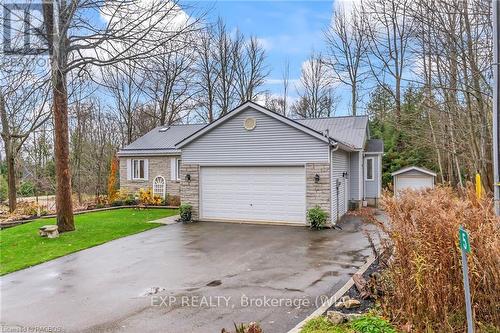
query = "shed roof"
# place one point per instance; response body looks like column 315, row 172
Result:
column 414, row 168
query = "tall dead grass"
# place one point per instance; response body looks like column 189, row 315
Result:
column 423, row 286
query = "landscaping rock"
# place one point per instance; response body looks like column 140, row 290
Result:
column 49, row 231
column 348, row 303
column 336, row 317
column 352, row 303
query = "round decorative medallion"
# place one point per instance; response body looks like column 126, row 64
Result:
column 250, row 123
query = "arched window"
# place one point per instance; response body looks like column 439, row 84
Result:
column 159, row 186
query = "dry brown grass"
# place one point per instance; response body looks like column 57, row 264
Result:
column 424, row 287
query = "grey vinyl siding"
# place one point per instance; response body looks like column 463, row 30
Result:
column 340, row 165
column 271, row 142
column 372, row 186
column 356, row 176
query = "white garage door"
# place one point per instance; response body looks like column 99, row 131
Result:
column 275, row 194
column 413, row 182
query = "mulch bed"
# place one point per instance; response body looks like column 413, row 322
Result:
column 353, row 293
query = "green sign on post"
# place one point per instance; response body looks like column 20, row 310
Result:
column 463, row 237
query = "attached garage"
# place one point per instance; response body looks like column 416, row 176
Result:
column 254, row 165
column 253, row 193
column 413, row 178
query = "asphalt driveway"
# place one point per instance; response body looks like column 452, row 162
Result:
column 187, row 278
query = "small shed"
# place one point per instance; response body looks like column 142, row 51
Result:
column 413, row 178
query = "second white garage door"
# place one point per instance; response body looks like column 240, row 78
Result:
column 273, row 194
column 403, row 182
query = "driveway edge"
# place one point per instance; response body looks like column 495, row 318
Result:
column 327, row 304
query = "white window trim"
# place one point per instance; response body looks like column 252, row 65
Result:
column 366, row 169
column 138, row 163
column 178, row 169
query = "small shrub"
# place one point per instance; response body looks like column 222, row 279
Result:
column 3, row 188
column 367, row 323
column 371, row 324
column 101, row 200
column 173, row 200
column 30, row 208
column 117, row 203
column 146, row 197
column 317, row 217
column 99, row 205
column 245, row 328
column 130, row 201
column 26, row 189
column 186, row 211
column 321, row 325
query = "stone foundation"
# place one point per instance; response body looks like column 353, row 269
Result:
column 190, row 188
column 318, row 194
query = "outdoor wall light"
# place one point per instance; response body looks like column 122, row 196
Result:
column 316, row 178
column 188, row 177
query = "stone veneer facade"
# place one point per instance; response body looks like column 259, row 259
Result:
column 190, row 188
column 157, row 166
column 318, row 193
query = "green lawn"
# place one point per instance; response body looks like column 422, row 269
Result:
column 21, row 246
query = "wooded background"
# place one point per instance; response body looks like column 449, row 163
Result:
column 421, row 70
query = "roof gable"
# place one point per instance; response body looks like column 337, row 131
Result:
column 320, row 136
column 414, row 168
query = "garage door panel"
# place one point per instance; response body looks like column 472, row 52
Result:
column 413, row 183
column 253, row 193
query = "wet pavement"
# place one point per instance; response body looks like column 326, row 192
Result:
column 187, row 278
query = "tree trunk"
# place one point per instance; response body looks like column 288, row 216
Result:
column 9, row 155
column 64, row 204
column 354, row 98
column 11, row 179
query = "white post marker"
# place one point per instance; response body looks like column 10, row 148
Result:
column 463, row 237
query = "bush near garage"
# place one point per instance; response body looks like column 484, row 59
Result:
column 423, row 285
column 317, row 217
column 186, row 212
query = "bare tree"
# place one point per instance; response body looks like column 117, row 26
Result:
column 346, row 41
column 170, row 82
column 316, row 95
column 390, row 29
column 23, row 109
column 230, row 68
column 285, row 76
column 134, row 30
column 251, row 70
column 125, row 83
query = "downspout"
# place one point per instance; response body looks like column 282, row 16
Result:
column 333, row 146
